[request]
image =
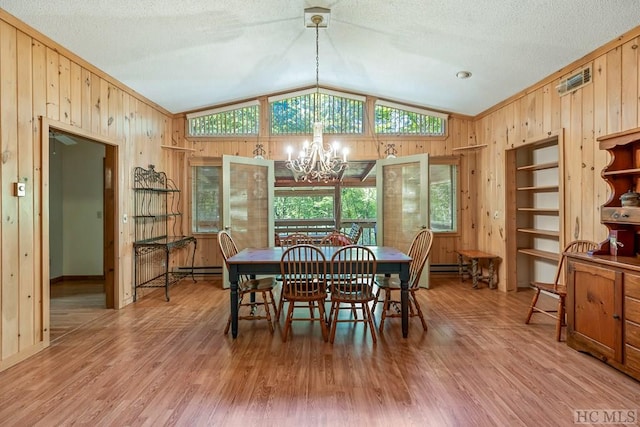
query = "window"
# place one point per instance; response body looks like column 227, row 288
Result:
column 236, row 120
column 396, row 119
column 303, row 203
column 206, row 187
column 295, row 114
column 358, row 203
column 443, row 201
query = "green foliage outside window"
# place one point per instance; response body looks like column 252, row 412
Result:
column 206, row 212
column 442, row 198
column 359, row 203
column 395, row 121
column 339, row 115
column 303, row 207
column 240, row 121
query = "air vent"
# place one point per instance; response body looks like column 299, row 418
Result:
column 574, row 81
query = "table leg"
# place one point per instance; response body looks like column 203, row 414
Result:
column 474, row 271
column 460, row 268
column 491, row 273
column 233, row 279
column 404, row 299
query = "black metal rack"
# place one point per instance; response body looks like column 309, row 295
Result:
column 158, row 231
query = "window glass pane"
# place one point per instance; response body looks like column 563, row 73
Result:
column 206, row 199
column 307, row 205
column 389, row 120
column 241, row 121
column 339, row 115
column 442, row 197
column 359, row 204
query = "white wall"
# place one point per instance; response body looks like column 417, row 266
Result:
column 82, row 204
column 55, row 208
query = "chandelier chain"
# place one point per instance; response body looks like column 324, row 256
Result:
column 317, row 162
column 317, row 103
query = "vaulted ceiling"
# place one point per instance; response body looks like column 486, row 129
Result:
column 188, row 54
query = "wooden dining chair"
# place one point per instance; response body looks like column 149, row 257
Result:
column 303, row 270
column 352, row 276
column 296, row 239
column 335, row 238
column 248, row 286
column 557, row 289
column 419, row 252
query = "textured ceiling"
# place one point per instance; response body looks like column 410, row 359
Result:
column 189, row 54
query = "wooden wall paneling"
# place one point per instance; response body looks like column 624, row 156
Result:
column 76, row 95
column 85, row 99
column 573, row 168
column 588, row 177
column 28, row 325
column 10, row 275
column 53, row 90
column 113, row 111
column 614, row 88
column 39, row 102
column 499, row 213
column 64, row 78
column 483, row 185
column 104, row 108
column 547, row 110
column 565, row 108
column 95, row 104
column 630, row 84
column 601, row 157
column 127, row 151
column 637, row 70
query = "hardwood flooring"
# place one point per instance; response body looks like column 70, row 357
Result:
column 169, row 363
column 75, row 303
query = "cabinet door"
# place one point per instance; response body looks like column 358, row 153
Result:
column 594, row 302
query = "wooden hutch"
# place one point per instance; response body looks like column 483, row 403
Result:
column 603, row 288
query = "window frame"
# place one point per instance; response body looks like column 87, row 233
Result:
column 451, row 161
column 203, row 162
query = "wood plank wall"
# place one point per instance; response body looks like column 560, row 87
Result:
column 609, row 104
column 39, row 78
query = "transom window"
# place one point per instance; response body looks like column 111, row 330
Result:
column 397, row 119
column 235, row 120
column 294, row 115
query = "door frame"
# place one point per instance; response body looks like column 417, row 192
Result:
column 111, row 227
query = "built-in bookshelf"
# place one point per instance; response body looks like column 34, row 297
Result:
column 534, row 211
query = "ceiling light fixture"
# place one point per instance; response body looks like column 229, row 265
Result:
column 463, row 74
column 317, row 162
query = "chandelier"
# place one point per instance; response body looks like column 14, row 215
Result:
column 317, row 162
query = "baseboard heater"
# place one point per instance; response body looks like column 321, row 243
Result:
column 200, row 271
column 443, row 268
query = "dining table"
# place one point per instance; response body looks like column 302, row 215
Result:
column 266, row 261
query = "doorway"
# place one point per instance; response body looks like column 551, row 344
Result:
column 81, row 230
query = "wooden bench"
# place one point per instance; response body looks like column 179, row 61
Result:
column 475, row 257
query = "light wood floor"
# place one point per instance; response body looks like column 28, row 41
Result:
column 168, row 363
column 75, row 303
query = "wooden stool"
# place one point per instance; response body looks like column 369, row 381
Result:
column 476, row 273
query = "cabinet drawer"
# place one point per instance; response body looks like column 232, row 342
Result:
column 632, row 334
column 632, row 286
column 632, row 357
column 627, row 215
column 632, row 309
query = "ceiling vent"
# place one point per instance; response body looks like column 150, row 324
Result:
column 574, row 81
